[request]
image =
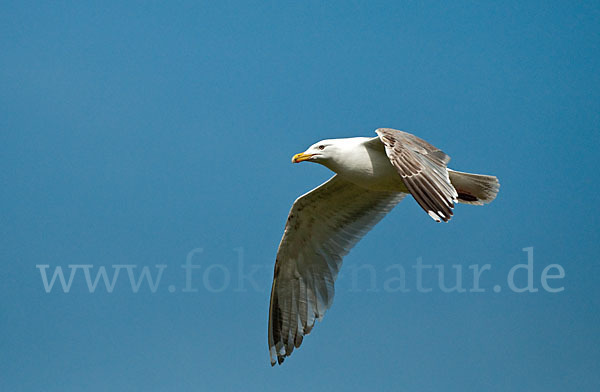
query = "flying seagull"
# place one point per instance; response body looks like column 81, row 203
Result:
column 372, row 176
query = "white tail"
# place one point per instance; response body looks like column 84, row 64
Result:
column 477, row 189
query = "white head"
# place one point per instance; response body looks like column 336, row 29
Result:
column 320, row 152
column 331, row 152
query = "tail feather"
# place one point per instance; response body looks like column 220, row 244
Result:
column 477, row 189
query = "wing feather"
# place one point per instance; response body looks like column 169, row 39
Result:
column 322, row 226
column 423, row 169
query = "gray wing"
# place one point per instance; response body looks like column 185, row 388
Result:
column 424, row 171
column 322, row 226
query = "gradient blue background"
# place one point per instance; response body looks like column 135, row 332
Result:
column 133, row 132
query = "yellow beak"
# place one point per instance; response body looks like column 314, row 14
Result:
column 301, row 157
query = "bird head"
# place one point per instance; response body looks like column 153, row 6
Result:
column 319, row 152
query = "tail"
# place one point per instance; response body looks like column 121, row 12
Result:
column 477, row 189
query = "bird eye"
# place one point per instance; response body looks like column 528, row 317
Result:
column 321, row 147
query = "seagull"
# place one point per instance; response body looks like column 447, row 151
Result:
column 372, row 175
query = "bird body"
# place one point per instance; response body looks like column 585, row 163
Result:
column 372, row 176
column 363, row 163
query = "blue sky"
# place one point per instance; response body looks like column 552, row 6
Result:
column 132, row 133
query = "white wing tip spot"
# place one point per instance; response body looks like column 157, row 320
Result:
column 434, row 216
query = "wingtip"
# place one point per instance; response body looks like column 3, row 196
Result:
column 438, row 216
column 278, row 360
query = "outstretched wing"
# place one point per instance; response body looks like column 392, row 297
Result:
column 322, row 226
column 423, row 170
